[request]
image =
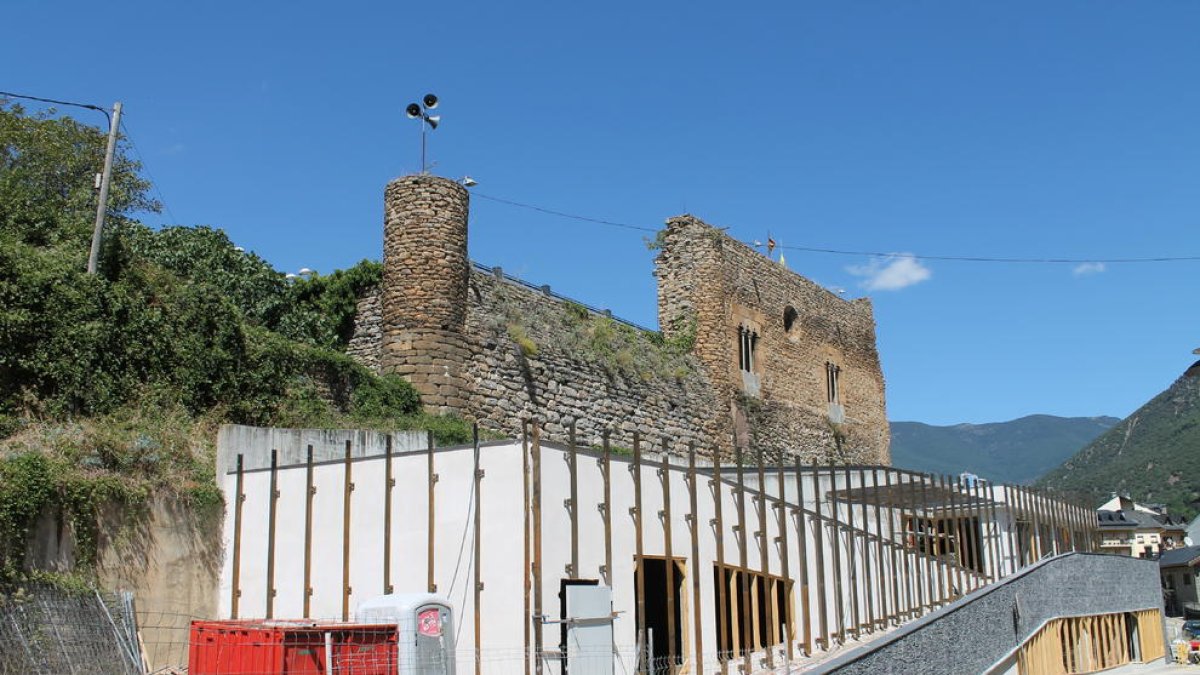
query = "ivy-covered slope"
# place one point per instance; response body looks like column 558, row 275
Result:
column 1154, row 454
column 111, row 385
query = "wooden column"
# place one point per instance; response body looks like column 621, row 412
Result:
column 347, row 488
column 639, row 553
column 309, row 492
column 802, row 550
column 239, row 496
column 536, row 512
column 664, row 475
column 718, row 525
column 819, row 545
column 693, row 519
column 272, row 514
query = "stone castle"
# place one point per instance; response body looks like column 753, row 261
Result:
column 749, row 352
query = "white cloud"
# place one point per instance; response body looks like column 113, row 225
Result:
column 1087, row 269
column 892, row 273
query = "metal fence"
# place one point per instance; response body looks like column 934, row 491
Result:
column 46, row 630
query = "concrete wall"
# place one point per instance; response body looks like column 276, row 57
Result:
column 980, row 632
column 502, row 571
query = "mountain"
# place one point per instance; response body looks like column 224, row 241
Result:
column 1154, row 454
column 1018, row 451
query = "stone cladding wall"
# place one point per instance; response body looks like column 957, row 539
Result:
column 425, row 270
column 711, row 283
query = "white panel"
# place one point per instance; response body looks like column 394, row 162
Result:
column 589, row 635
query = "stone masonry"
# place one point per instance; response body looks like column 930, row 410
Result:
column 716, row 285
column 425, row 270
column 481, row 345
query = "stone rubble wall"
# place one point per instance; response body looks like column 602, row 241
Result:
column 719, row 283
column 634, row 386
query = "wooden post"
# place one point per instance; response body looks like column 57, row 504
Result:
column 235, row 590
column 997, row 544
column 836, row 537
column 478, row 498
column 802, row 550
column 272, row 512
column 527, row 570
column 694, row 520
column 885, row 611
column 606, row 509
column 767, row 632
column 573, row 502
column 852, row 556
column 718, row 524
column 866, row 552
column 389, row 484
column 894, row 551
column 348, row 487
column 309, row 492
column 431, row 512
column 664, row 475
column 639, row 558
column 536, row 479
column 819, row 545
column 781, row 523
column 930, row 554
column 747, row 642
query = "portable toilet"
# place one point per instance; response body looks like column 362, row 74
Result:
column 425, row 635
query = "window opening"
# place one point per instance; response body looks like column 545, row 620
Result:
column 747, row 343
column 789, row 318
column 832, row 388
column 760, row 589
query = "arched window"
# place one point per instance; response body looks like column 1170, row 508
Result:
column 789, row 318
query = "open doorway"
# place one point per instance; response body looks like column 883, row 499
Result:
column 661, row 624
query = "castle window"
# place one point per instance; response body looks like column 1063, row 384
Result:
column 747, row 342
column 789, row 318
column 832, row 388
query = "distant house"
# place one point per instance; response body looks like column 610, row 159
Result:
column 1179, row 577
column 1138, row 530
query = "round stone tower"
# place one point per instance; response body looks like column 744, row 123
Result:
column 424, row 292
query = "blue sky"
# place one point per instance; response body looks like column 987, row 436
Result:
column 1016, row 129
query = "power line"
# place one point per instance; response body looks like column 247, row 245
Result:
column 146, row 168
column 877, row 254
column 985, row 259
column 585, row 219
column 88, row 106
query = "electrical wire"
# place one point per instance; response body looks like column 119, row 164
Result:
column 876, row 254
column 88, row 106
column 561, row 214
column 145, row 167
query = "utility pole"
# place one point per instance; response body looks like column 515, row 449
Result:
column 105, row 178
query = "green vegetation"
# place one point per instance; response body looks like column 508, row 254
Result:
column 1017, row 451
column 112, row 385
column 576, row 332
column 1153, row 455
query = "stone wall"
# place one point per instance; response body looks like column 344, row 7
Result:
column 713, row 284
column 495, row 350
column 425, row 270
column 536, row 355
